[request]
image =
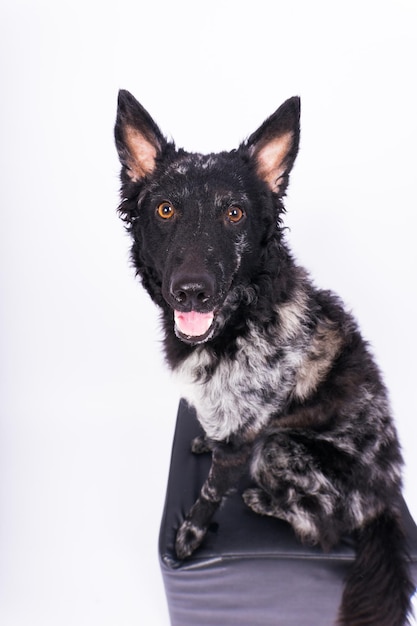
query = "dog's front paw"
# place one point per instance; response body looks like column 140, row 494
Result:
column 259, row 501
column 200, row 445
column 189, row 537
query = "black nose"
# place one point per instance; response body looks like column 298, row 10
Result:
column 193, row 292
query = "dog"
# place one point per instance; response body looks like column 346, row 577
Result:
column 284, row 385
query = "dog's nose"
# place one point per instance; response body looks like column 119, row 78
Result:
column 193, row 292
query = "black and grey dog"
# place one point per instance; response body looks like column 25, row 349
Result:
column 283, row 383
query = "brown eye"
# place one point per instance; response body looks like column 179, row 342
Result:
column 235, row 214
column 165, row 210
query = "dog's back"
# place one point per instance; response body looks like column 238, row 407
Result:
column 282, row 381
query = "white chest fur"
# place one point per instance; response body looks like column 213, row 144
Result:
column 245, row 390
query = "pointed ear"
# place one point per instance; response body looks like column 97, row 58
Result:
column 274, row 145
column 138, row 139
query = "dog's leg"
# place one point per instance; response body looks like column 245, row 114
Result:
column 200, row 445
column 292, row 486
column 228, row 464
column 303, row 521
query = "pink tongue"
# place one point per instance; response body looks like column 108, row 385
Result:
column 193, row 324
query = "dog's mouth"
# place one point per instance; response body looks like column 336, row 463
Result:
column 193, row 327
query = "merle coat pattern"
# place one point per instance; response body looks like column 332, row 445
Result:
column 283, row 383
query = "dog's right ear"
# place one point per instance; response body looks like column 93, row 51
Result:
column 138, row 139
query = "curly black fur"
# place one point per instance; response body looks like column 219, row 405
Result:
column 283, row 383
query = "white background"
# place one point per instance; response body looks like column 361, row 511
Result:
column 87, row 407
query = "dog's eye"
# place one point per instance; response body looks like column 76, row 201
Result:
column 165, row 210
column 235, row 214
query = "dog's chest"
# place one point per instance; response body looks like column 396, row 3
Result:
column 240, row 392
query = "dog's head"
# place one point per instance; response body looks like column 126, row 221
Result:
column 201, row 223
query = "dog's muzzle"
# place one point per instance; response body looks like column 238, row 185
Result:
column 192, row 298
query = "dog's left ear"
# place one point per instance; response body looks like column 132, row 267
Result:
column 274, row 145
column 138, row 139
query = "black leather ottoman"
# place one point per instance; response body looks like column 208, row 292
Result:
column 250, row 570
